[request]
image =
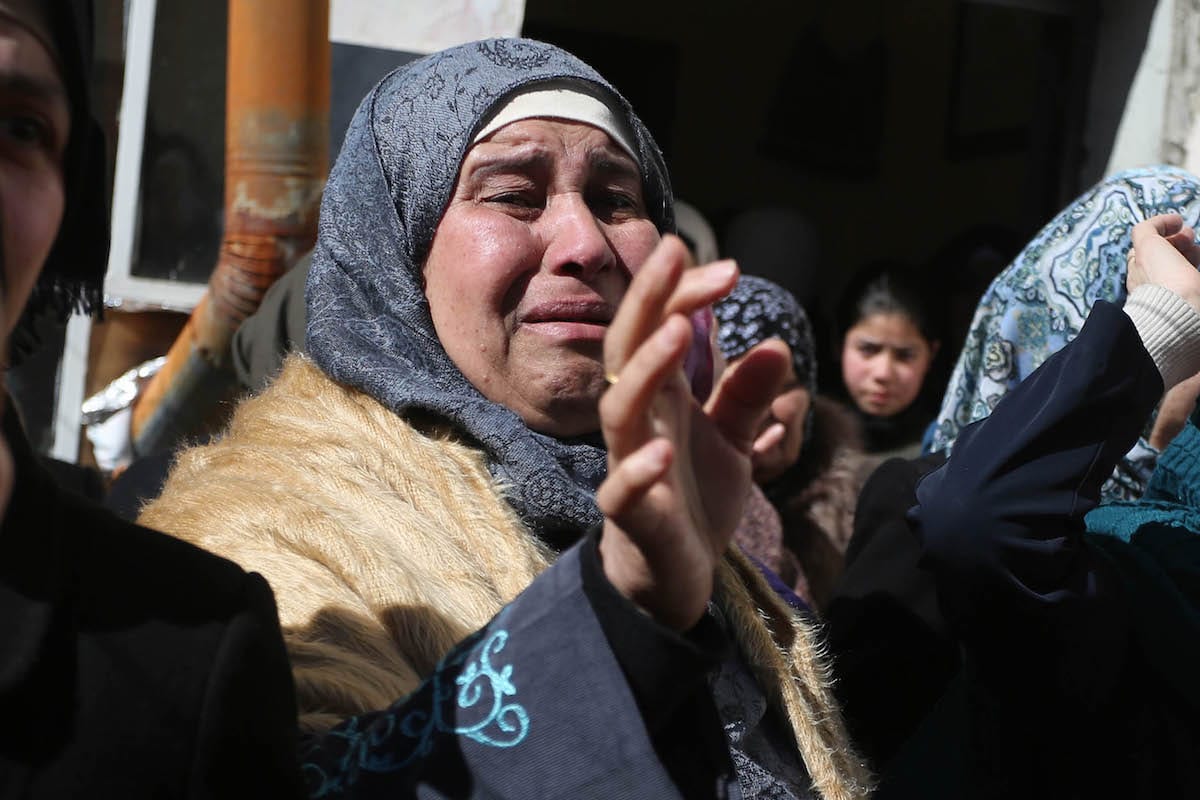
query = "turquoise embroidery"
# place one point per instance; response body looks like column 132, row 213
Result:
column 512, row 719
column 474, row 705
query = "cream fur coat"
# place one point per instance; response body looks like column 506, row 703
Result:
column 386, row 544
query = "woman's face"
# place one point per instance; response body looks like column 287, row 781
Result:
column 533, row 254
column 884, row 362
column 35, row 122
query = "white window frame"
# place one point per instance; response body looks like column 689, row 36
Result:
column 122, row 289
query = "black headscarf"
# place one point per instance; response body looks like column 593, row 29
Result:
column 73, row 276
column 758, row 309
column 368, row 320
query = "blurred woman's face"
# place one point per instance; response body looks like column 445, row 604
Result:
column 35, row 122
column 533, row 254
column 884, row 362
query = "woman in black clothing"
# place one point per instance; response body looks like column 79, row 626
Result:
column 131, row 665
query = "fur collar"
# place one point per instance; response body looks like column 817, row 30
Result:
column 387, row 542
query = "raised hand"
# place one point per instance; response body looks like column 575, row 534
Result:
column 1165, row 253
column 679, row 474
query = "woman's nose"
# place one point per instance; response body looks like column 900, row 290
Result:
column 577, row 244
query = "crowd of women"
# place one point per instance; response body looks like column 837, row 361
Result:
column 544, row 508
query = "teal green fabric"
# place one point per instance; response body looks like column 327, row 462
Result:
column 1154, row 546
column 1172, row 495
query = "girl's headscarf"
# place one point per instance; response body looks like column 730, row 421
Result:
column 1040, row 301
column 368, row 320
column 72, row 278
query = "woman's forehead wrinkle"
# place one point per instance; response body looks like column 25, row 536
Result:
column 507, row 160
column 491, row 158
column 427, row 115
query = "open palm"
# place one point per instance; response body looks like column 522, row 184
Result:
column 679, row 474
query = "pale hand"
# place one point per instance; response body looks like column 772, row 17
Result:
column 1165, row 253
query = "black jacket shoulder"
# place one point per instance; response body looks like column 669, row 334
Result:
column 139, row 665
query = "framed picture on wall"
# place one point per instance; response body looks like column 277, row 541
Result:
column 1012, row 63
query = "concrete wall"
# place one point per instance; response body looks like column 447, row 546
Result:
column 1181, row 126
column 1127, row 114
column 1157, row 120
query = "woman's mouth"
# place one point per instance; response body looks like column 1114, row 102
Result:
column 584, row 319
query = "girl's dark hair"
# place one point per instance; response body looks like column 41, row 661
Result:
column 889, row 287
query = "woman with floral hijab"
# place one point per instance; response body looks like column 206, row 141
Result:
column 1039, row 302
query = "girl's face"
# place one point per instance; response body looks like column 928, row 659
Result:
column 884, row 362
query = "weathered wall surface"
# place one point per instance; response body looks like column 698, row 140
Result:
column 1160, row 114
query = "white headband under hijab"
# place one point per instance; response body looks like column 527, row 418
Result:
column 568, row 104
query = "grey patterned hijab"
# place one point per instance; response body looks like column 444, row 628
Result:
column 368, row 321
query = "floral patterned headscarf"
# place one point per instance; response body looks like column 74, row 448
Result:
column 757, row 310
column 1039, row 302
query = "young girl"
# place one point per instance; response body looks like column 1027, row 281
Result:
column 889, row 338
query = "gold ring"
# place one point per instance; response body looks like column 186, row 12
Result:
column 611, row 379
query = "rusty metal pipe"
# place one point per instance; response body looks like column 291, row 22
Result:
column 276, row 160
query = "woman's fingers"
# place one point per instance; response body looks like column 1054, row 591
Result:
column 1159, row 225
column 1160, row 258
column 1185, row 242
column 702, row 286
column 744, row 395
column 769, row 438
column 630, row 479
column 664, row 285
column 641, row 310
column 624, row 409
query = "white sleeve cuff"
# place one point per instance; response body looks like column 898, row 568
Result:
column 1169, row 328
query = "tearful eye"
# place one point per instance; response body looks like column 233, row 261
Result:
column 523, row 204
column 619, row 200
column 611, row 204
column 512, row 199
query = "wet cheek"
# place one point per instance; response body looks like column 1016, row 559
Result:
column 634, row 242
column 501, row 248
